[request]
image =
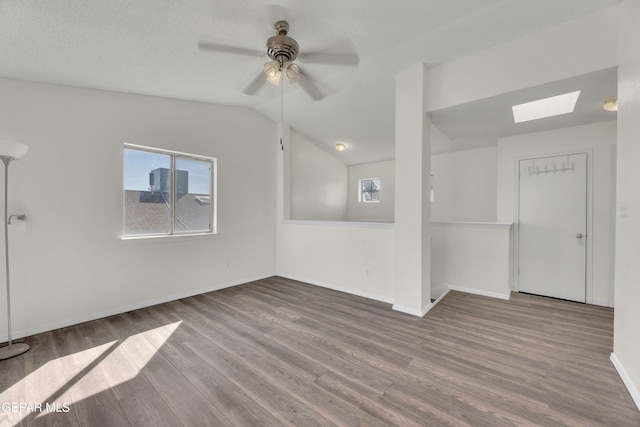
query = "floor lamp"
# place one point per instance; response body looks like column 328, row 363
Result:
column 9, row 151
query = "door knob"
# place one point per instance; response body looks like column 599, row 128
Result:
column 579, row 236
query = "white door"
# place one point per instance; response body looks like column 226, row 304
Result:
column 552, row 226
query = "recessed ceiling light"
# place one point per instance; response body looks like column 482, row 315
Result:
column 340, row 147
column 547, row 107
column 611, row 104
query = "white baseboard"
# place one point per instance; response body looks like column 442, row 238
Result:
column 407, row 310
column 413, row 311
column 117, row 310
column 633, row 391
column 426, row 308
column 339, row 288
column 441, row 297
column 396, row 307
column 479, row 292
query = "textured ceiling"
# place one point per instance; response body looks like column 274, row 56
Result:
column 150, row 47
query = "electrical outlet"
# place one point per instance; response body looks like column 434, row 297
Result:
column 367, row 273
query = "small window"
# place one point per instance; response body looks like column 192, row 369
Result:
column 369, row 190
column 167, row 193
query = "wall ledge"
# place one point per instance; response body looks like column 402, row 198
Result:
column 344, row 224
column 506, row 225
column 391, row 225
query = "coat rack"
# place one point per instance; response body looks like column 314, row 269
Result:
column 564, row 167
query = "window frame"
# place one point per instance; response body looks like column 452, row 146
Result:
column 213, row 196
column 361, row 199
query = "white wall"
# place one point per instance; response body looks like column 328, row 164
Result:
column 465, row 185
column 381, row 211
column 318, row 182
column 70, row 264
column 472, row 257
column 597, row 140
column 412, row 280
column 626, row 340
column 565, row 50
column 356, row 258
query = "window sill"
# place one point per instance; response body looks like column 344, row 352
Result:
column 168, row 237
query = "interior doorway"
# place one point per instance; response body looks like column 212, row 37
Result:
column 552, row 226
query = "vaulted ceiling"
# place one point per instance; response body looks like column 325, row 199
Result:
column 151, row 47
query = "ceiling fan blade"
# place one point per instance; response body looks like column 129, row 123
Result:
column 307, row 85
column 255, row 84
column 214, row 47
column 342, row 59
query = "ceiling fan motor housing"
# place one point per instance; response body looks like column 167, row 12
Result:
column 281, row 47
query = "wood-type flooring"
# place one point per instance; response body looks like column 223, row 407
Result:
column 279, row 352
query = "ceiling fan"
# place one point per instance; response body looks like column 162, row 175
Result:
column 283, row 51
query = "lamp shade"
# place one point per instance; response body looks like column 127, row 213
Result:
column 271, row 68
column 291, row 71
column 272, row 71
column 13, row 149
column 275, row 79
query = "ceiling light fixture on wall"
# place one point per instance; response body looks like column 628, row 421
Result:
column 340, row 147
column 611, row 104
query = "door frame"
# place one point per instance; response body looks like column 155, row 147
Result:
column 589, row 222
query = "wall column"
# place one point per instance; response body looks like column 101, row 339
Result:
column 283, row 185
column 283, row 170
column 412, row 286
column 626, row 345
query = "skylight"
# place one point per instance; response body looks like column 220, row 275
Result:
column 547, row 107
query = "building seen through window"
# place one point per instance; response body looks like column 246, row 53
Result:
column 167, row 193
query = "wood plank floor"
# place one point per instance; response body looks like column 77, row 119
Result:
column 276, row 352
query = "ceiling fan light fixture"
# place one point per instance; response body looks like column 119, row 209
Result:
column 272, row 71
column 275, row 80
column 611, row 104
column 292, row 72
column 282, row 51
column 271, row 68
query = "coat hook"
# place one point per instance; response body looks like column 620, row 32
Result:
column 21, row 217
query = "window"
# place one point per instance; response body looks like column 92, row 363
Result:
column 168, row 193
column 369, row 190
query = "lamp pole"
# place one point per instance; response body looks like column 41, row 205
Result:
column 11, row 349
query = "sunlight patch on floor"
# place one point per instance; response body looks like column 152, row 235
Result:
column 77, row 376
